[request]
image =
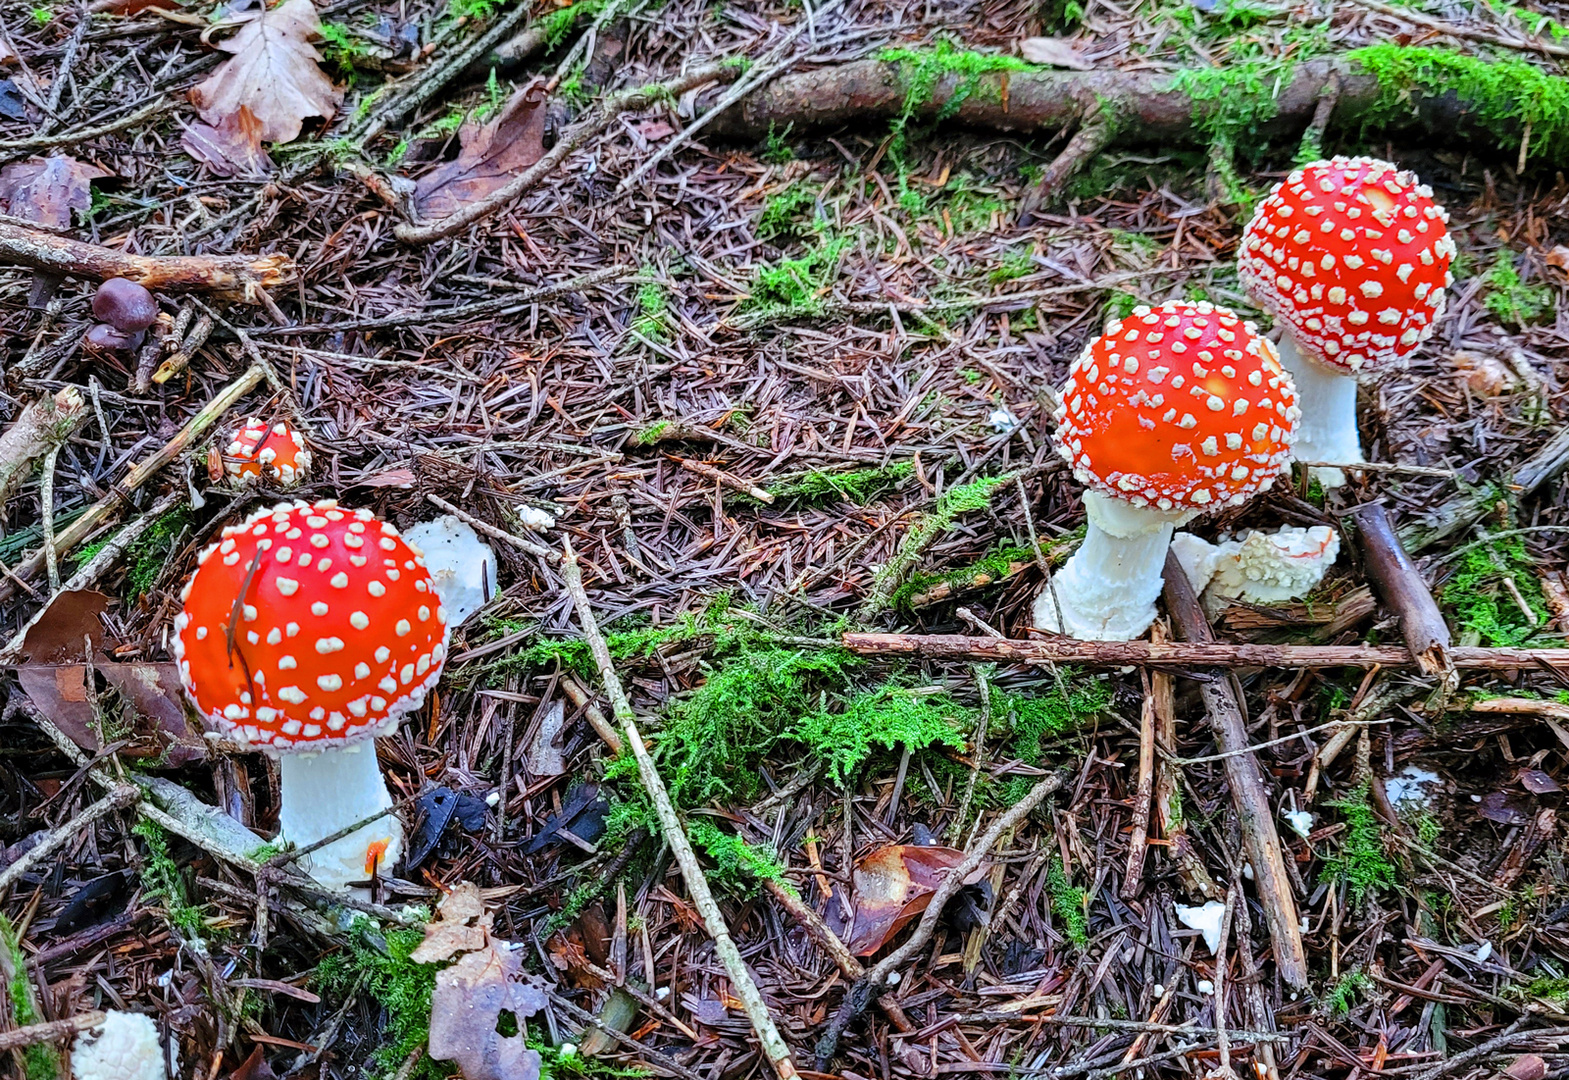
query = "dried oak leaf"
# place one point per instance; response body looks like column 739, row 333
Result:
column 1053, row 52
column 275, row 72
column 893, row 885
column 491, row 155
column 232, row 147
column 59, row 634
column 467, row 1006
column 461, row 926
column 254, row 1067
column 47, row 192
column 152, row 691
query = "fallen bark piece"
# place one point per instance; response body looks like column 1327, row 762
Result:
column 237, row 277
column 1403, row 589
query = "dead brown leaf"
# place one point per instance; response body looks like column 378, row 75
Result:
column 275, row 72
column 1484, row 372
column 892, row 886
column 149, row 692
column 467, row 1006
column 60, row 633
column 461, row 926
column 1558, row 257
column 1053, row 52
column 254, row 1067
column 491, row 155
column 47, row 192
column 1525, row 1067
column 233, row 147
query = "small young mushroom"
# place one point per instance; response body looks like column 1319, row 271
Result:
column 124, row 1047
column 103, row 338
column 277, row 453
column 1352, row 257
column 1172, row 412
column 307, row 631
column 125, row 305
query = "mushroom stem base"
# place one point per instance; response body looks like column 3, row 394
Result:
column 322, row 793
column 1107, row 590
column 1327, row 397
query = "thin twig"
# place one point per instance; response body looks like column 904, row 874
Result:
column 770, row 1041
column 119, row 797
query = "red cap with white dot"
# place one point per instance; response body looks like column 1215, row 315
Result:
column 257, row 450
column 1180, row 408
column 308, row 626
column 1353, row 255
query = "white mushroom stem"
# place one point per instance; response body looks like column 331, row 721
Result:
column 1107, row 590
column 331, row 790
column 1327, row 397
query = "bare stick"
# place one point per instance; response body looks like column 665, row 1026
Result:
column 53, row 1031
column 1458, row 514
column 633, row 100
column 769, row 1040
column 1328, row 98
column 1133, row 878
column 102, row 510
column 1416, row 18
column 1096, row 131
column 727, row 479
column 41, row 427
column 856, row 1000
column 492, row 531
column 1398, row 580
column 1062, row 650
column 1246, row 782
column 58, row 837
column 235, row 276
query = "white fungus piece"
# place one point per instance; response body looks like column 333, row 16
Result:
column 1002, row 421
column 124, row 1047
column 534, row 519
column 1301, row 822
column 462, row 567
column 1197, row 557
column 1206, row 987
column 1410, row 787
column 1206, row 920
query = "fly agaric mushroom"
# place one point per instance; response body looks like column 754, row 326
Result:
column 277, row 453
column 1261, row 567
column 308, row 630
column 1172, row 412
column 1352, row 257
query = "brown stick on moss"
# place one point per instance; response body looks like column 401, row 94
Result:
column 234, row 276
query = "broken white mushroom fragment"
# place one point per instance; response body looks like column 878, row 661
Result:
column 124, row 1047
column 308, row 630
column 274, row 452
column 1261, row 567
column 1172, row 412
column 462, row 567
column 1352, row 258
column 1206, row 920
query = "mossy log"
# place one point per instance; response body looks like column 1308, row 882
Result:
column 1165, row 108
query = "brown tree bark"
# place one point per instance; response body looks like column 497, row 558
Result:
column 234, row 276
column 1403, row 589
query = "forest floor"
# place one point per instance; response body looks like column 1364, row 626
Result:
column 866, row 322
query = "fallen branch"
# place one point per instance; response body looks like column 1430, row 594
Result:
column 769, row 1040
column 1094, row 135
column 860, row 993
column 633, row 100
column 105, row 508
column 1102, row 654
column 237, row 277
column 1152, row 106
column 1259, row 839
column 52, row 1031
column 1400, row 583
column 725, row 479
column 42, row 426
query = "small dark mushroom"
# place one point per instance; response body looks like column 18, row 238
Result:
column 125, row 305
column 105, row 337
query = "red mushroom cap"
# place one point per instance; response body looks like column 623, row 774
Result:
column 277, row 453
column 1183, row 407
column 340, row 631
column 1353, row 254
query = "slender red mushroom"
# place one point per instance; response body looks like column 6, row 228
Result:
column 308, row 630
column 1352, row 258
column 1171, row 413
column 277, row 453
